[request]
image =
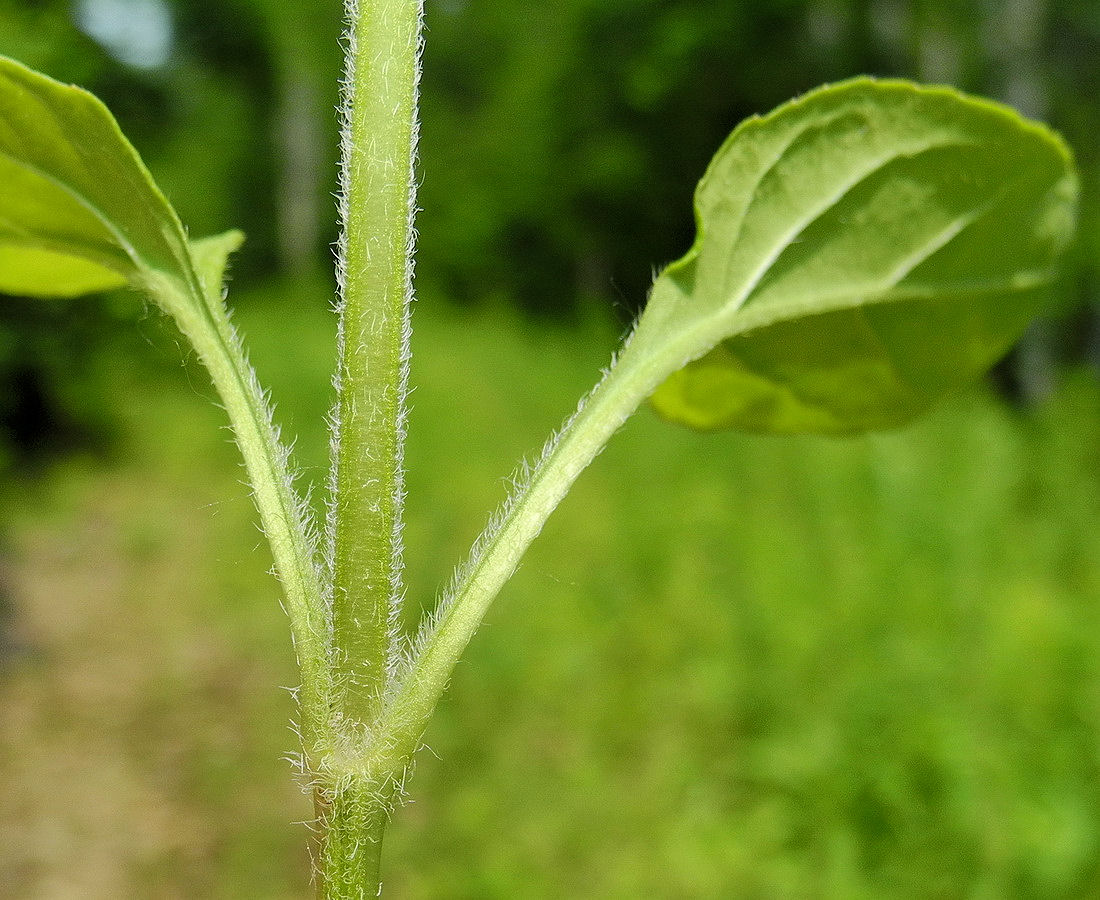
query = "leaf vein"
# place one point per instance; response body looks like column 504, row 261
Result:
column 84, row 201
column 816, row 211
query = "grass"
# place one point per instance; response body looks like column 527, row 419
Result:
column 731, row 666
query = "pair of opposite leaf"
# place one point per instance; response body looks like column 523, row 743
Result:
column 861, row 251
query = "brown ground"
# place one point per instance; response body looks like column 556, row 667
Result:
column 139, row 736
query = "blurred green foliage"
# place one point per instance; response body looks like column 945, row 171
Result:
column 732, row 666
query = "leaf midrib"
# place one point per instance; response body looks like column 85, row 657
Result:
column 816, row 211
column 81, row 198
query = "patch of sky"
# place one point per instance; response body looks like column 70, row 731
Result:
column 136, row 32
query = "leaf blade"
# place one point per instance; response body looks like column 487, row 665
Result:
column 21, row 269
column 863, row 194
column 75, row 184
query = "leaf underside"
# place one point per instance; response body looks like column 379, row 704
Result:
column 862, row 252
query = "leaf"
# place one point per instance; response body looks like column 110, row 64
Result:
column 211, row 256
column 79, row 210
column 861, row 252
column 30, row 271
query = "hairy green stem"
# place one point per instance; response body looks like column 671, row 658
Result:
column 369, row 420
column 352, row 821
column 367, row 483
column 208, row 328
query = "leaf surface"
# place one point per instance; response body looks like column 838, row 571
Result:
column 860, row 253
column 78, row 210
column 29, row 271
column 211, row 257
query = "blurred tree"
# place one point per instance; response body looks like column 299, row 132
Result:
column 306, row 59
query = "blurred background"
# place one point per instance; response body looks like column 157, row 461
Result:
column 731, row 666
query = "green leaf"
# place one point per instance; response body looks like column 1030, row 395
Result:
column 211, row 256
column 30, row 271
column 79, row 210
column 861, row 252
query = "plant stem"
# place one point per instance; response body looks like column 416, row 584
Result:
column 375, row 268
column 353, row 823
column 282, row 513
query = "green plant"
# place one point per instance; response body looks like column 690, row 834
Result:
column 861, row 252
